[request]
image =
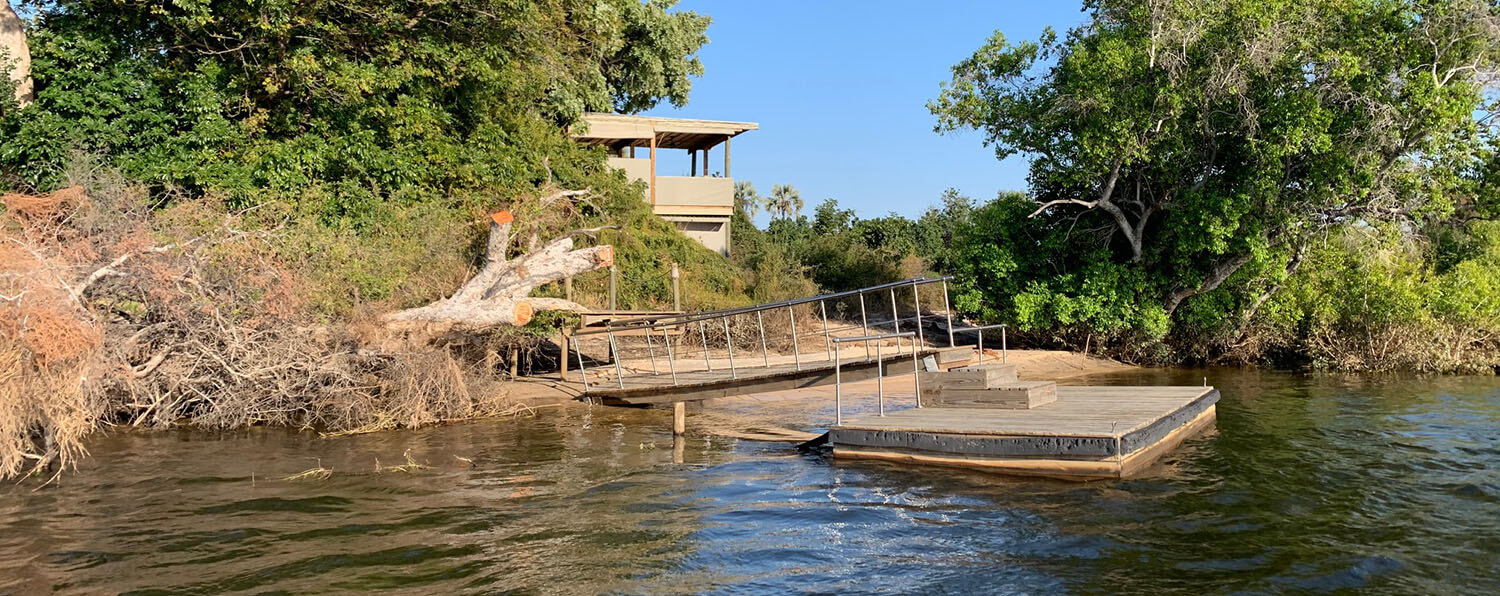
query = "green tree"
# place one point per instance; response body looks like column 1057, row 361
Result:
column 357, row 100
column 1177, row 146
column 829, row 219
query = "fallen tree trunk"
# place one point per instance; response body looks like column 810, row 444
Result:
column 498, row 294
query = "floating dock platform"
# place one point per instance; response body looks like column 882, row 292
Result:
column 1087, row 433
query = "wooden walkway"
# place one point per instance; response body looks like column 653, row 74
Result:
column 1088, row 433
column 750, row 375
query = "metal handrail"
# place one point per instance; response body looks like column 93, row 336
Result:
column 838, row 376
column 1004, row 353
column 687, row 318
column 683, row 321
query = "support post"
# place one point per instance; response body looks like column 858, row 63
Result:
column 838, row 388
column 729, row 345
column 671, row 364
column 916, row 371
column 652, row 351
column 679, row 419
column 693, row 169
column 895, row 318
column 562, row 362
column 865, row 323
column 676, row 291
column 827, row 341
column 726, row 157
column 614, row 352
column 948, row 313
column 1004, row 353
column 916, row 301
column 583, row 375
column 981, row 346
column 653, row 168
column 703, row 335
column 880, row 374
column 796, row 359
column 765, row 354
column 614, row 280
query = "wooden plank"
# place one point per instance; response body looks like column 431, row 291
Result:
column 1020, row 395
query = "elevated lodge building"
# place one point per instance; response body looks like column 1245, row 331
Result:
column 699, row 204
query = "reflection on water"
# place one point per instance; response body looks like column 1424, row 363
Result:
column 1308, row 484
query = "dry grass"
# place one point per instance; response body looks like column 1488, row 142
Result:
column 112, row 313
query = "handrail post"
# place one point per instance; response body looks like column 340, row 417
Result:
column 729, row 345
column 949, row 312
column 704, row 336
column 796, row 358
column 672, row 366
column 865, row 323
column 651, row 350
column 827, row 345
column 838, row 390
column 895, row 318
column 980, row 331
column 582, row 374
column 614, row 351
column 880, row 374
column 916, row 301
column 916, row 371
column 765, row 353
column 1003, row 351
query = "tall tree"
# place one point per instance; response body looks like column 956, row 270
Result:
column 1187, row 140
column 276, row 97
column 748, row 199
column 785, row 201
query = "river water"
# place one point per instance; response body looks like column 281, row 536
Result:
column 1308, row 484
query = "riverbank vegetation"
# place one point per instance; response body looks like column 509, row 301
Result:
column 209, row 206
column 1293, row 183
column 246, row 189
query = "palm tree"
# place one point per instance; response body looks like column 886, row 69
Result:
column 746, row 197
column 785, row 200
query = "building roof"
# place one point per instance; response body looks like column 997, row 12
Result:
column 616, row 130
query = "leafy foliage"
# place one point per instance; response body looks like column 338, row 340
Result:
column 377, row 131
column 1186, row 153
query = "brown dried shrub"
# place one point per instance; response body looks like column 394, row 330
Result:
column 112, row 313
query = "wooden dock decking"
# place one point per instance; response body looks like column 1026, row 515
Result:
column 750, row 376
column 1088, row 433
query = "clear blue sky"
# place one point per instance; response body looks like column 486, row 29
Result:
column 840, row 92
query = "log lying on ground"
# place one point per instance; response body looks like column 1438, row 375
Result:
column 498, row 294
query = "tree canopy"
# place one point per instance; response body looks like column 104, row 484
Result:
column 359, row 99
column 1178, row 146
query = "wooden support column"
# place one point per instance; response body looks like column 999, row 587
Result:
column 705, row 161
column 679, row 419
column 726, row 157
column 562, row 367
column 653, row 167
column 693, row 171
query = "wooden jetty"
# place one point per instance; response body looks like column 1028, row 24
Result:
column 1087, row 433
column 978, row 415
column 695, row 385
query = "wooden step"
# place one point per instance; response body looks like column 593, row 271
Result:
column 979, row 376
column 1021, row 395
